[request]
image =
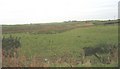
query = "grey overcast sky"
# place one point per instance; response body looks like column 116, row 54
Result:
column 44, row 11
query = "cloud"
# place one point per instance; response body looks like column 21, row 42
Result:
column 31, row 11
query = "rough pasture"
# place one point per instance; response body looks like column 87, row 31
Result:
column 66, row 49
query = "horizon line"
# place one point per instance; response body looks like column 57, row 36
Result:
column 59, row 21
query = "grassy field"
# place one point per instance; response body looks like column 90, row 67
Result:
column 61, row 49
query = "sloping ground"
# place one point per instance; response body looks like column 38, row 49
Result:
column 52, row 28
column 43, row 28
column 64, row 49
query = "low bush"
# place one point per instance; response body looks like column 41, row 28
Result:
column 10, row 45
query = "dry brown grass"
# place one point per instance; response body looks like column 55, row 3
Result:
column 23, row 61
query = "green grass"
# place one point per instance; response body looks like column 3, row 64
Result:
column 69, row 42
column 41, row 28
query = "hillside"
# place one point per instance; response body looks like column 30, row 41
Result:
column 83, row 44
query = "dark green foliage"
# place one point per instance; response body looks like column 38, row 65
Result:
column 100, row 49
column 10, row 45
column 104, row 52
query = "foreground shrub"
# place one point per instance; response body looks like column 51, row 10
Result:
column 106, row 53
column 10, row 46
